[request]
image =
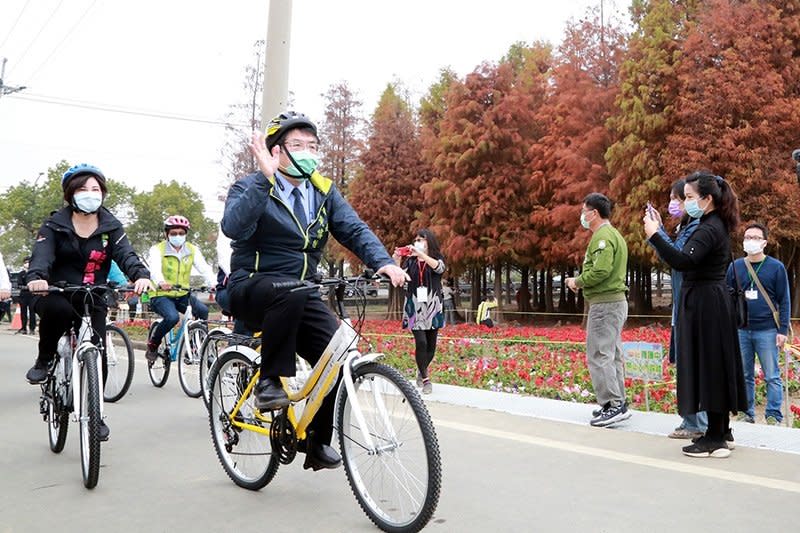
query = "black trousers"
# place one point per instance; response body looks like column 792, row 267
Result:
column 26, row 309
column 59, row 311
column 290, row 323
column 718, row 425
column 425, row 340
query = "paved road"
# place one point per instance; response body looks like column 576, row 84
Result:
column 501, row 473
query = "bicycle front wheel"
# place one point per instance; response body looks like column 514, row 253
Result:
column 158, row 370
column 208, row 355
column 397, row 482
column 245, row 455
column 189, row 359
column 89, row 419
column 119, row 352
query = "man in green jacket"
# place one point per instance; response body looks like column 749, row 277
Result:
column 602, row 280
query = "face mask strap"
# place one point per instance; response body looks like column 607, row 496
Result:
column 303, row 174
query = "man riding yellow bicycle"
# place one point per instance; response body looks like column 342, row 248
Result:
column 279, row 220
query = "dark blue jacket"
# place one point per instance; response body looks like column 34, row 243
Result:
column 772, row 275
column 268, row 238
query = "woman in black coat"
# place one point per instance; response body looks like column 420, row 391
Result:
column 709, row 371
column 75, row 245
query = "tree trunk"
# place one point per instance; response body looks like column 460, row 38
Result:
column 548, row 291
column 394, row 309
column 498, row 288
column 524, row 295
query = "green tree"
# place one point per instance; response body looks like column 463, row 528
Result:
column 153, row 207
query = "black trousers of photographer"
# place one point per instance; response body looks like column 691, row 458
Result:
column 290, row 323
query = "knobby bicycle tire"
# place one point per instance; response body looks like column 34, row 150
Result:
column 189, row 359
column 118, row 357
column 89, row 419
column 397, row 496
column 159, row 369
column 245, row 455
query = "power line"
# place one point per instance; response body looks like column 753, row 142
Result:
column 110, row 108
column 14, row 25
column 52, row 14
column 58, row 46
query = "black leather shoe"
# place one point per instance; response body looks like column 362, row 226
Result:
column 320, row 456
column 103, row 432
column 38, row 373
column 270, row 395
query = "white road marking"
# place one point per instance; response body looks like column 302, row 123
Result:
column 737, row 477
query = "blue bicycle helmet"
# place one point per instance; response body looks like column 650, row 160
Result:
column 80, row 170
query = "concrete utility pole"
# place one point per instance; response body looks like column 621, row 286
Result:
column 7, row 89
column 276, row 60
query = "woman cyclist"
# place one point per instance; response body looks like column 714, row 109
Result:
column 75, row 245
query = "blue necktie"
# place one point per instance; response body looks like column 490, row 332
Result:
column 298, row 209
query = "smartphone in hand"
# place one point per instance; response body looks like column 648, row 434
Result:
column 651, row 212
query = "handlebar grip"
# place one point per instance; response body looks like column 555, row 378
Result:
column 291, row 284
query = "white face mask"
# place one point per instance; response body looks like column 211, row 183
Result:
column 88, row 202
column 421, row 246
column 752, row 247
column 177, row 240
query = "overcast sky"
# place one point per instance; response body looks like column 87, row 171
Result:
column 159, row 59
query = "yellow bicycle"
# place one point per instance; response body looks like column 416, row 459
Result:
column 387, row 440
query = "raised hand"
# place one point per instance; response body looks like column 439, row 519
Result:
column 268, row 162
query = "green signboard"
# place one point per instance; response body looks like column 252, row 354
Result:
column 643, row 360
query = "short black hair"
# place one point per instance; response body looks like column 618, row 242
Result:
column 758, row 225
column 76, row 183
column 599, row 202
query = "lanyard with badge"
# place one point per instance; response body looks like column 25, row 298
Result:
column 422, row 290
column 752, row 293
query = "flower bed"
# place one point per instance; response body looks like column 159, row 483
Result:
column 548, row 362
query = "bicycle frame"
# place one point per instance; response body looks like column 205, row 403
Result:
column 341, row 352
column 174, row 337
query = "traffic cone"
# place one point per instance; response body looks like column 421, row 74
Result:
column 16, row 322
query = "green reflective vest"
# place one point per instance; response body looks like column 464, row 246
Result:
column 175, row 270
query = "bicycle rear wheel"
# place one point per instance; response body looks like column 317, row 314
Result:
column 119, row 352
column 208, row 356
column 57, row 419
column 89, row 419
column 158, row 370
column 245, row 455
column 398, row 483
column 189, row 359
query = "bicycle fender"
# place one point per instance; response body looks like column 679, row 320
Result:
column 221, row 330
column 244, row 350
column 365, row 358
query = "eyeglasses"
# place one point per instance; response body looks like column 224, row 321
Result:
column 296, row 146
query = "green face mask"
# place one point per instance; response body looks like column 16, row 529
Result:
column 306, row 161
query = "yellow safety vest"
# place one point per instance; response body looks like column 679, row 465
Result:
column 176, row 271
